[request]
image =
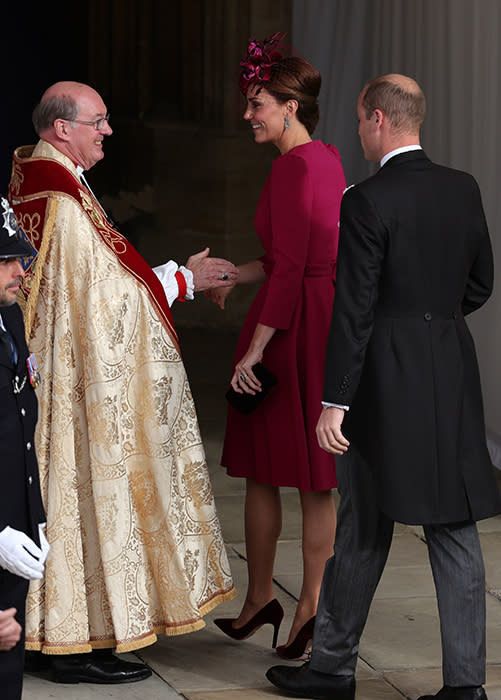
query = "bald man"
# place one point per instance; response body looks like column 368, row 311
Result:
column 402, row 397
column 137, row 549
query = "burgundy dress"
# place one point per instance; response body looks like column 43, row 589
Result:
column 297, row 222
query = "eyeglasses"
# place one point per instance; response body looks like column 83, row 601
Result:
column 98, row 124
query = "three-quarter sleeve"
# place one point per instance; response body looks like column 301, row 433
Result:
column 291, row 196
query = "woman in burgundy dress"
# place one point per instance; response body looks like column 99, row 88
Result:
column 286, row 328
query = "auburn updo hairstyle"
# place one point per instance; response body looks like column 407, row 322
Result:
column 284, row 77
column 293, row 78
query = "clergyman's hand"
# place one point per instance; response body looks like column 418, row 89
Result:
column 329, row 434
column 209, row 273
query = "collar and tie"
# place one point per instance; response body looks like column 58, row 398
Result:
column 8, row 341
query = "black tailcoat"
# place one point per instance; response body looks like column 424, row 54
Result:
column 20, row 499
column 414, row 258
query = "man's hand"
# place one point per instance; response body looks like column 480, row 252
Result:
column 211, row 272
column 19, row 554
column 329, row 435
column 10, row 629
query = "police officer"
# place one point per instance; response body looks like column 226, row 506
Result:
column 23, row 546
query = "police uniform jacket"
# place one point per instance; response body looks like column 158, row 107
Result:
column 20, row 499
column 414, row 259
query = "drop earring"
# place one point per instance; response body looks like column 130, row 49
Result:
column 287, row 124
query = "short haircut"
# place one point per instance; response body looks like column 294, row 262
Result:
column 57, row 107
column 405, row 108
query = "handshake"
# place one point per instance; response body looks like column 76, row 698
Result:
column 210, row 273
column 20, row 555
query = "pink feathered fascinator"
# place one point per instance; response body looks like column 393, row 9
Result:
column 259, row 61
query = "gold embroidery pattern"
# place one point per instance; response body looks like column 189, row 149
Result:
column 31, row 226
column 17, row 178
column 34, row 277
column 112, row 237
column 103, row 416
column 162, row 392
column 197, row 489
column 109, row 317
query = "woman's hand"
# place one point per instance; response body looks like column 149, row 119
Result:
column 244, row 380
column 250, row 273
column 219, row 295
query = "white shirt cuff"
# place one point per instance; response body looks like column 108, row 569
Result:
column 190, row 285
column 166, row 273
column 325, row 404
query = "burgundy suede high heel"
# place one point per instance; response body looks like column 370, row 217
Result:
column 298, row 647
column 272, row 614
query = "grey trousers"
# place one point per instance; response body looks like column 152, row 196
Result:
column 363, row 540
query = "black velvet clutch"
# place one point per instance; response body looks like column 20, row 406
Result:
column 246, row 403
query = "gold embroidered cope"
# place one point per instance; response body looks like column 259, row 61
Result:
column 136, row 545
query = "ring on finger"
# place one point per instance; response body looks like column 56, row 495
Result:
column 243, row 377
column 224, row 276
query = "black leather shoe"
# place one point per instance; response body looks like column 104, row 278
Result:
column 304, row 682
column 448, row 693
column 95, row 668
column 35, row 661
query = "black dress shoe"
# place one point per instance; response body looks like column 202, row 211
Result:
column 95, row 668
column 448, row 693
column 35, row 661
column 304, row 682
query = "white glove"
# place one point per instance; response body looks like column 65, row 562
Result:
column 19, row 554
column 44, row 545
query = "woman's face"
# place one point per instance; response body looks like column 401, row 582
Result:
column 265, row 114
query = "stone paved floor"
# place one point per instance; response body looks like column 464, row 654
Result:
column 400, row 648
